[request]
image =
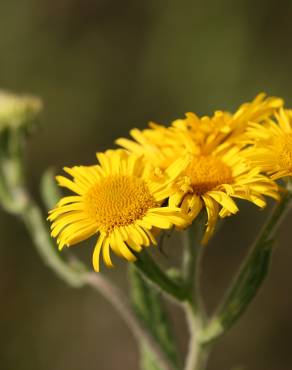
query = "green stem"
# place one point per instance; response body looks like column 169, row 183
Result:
column 74, row 274
column 149, row 268
column 77, row 276
column 194, row 309
column 250, row 276
column 275, row 220
column 22, row 205
column 197, row 354
column 38, row 230
column 191, row 255
column 191, row 264
column 123, row 307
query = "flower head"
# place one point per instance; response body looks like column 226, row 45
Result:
column 156, row 144
column 18, row 111
column 271, row 147
column 213, row 181
column 218, row 172
column 117, row 200
column 193, row 134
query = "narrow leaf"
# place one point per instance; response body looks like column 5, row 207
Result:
column 242, row 291
column 149, row 306
column 49, row 190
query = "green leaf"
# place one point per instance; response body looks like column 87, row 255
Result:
column 148, row 304
column 50, row 192
column 247, row 284
column 162, row 281
column 148, row 360
column 244, row 288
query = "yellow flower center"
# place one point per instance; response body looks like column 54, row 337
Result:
column 118, row 200
column 284, row 144
column 207, row 172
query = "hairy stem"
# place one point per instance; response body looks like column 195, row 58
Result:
column 250, row 276
column 191, row 264
column 194, row 308
column 76, row 274
column 33, row 219
column 197, row 353
column 118, row 300
column 38, row 230
column 149, row 268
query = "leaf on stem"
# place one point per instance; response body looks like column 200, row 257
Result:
column 149, row 306
column 50, row 192
column 242, row 291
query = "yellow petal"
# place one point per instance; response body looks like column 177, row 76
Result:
column 96, row 252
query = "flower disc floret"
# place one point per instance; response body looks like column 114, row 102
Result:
column 118, row 200
column 208, row 172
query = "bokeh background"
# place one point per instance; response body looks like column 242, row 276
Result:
column 101, row 68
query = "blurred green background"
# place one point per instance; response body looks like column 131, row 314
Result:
column 101, row 68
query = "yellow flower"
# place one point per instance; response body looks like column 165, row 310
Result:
column 156, row 144
column 272, row 145
column 223, row 128
column 258, row 110
column 218, row 172
column 161, row 145
column 117, row 201
column 212, row 181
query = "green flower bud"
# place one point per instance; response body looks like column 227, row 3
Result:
column 18, row 111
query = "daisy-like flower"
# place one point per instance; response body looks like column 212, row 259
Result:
column 272, row 144
column 225, row 127
column 161, row 144
column 258, row 110
column 116, row 200
column 218, row 172
column 156, row 144
column 212, row 182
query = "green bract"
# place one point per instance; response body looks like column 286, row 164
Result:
column 18, row 111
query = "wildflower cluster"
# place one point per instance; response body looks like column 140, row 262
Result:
column 165, row 176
